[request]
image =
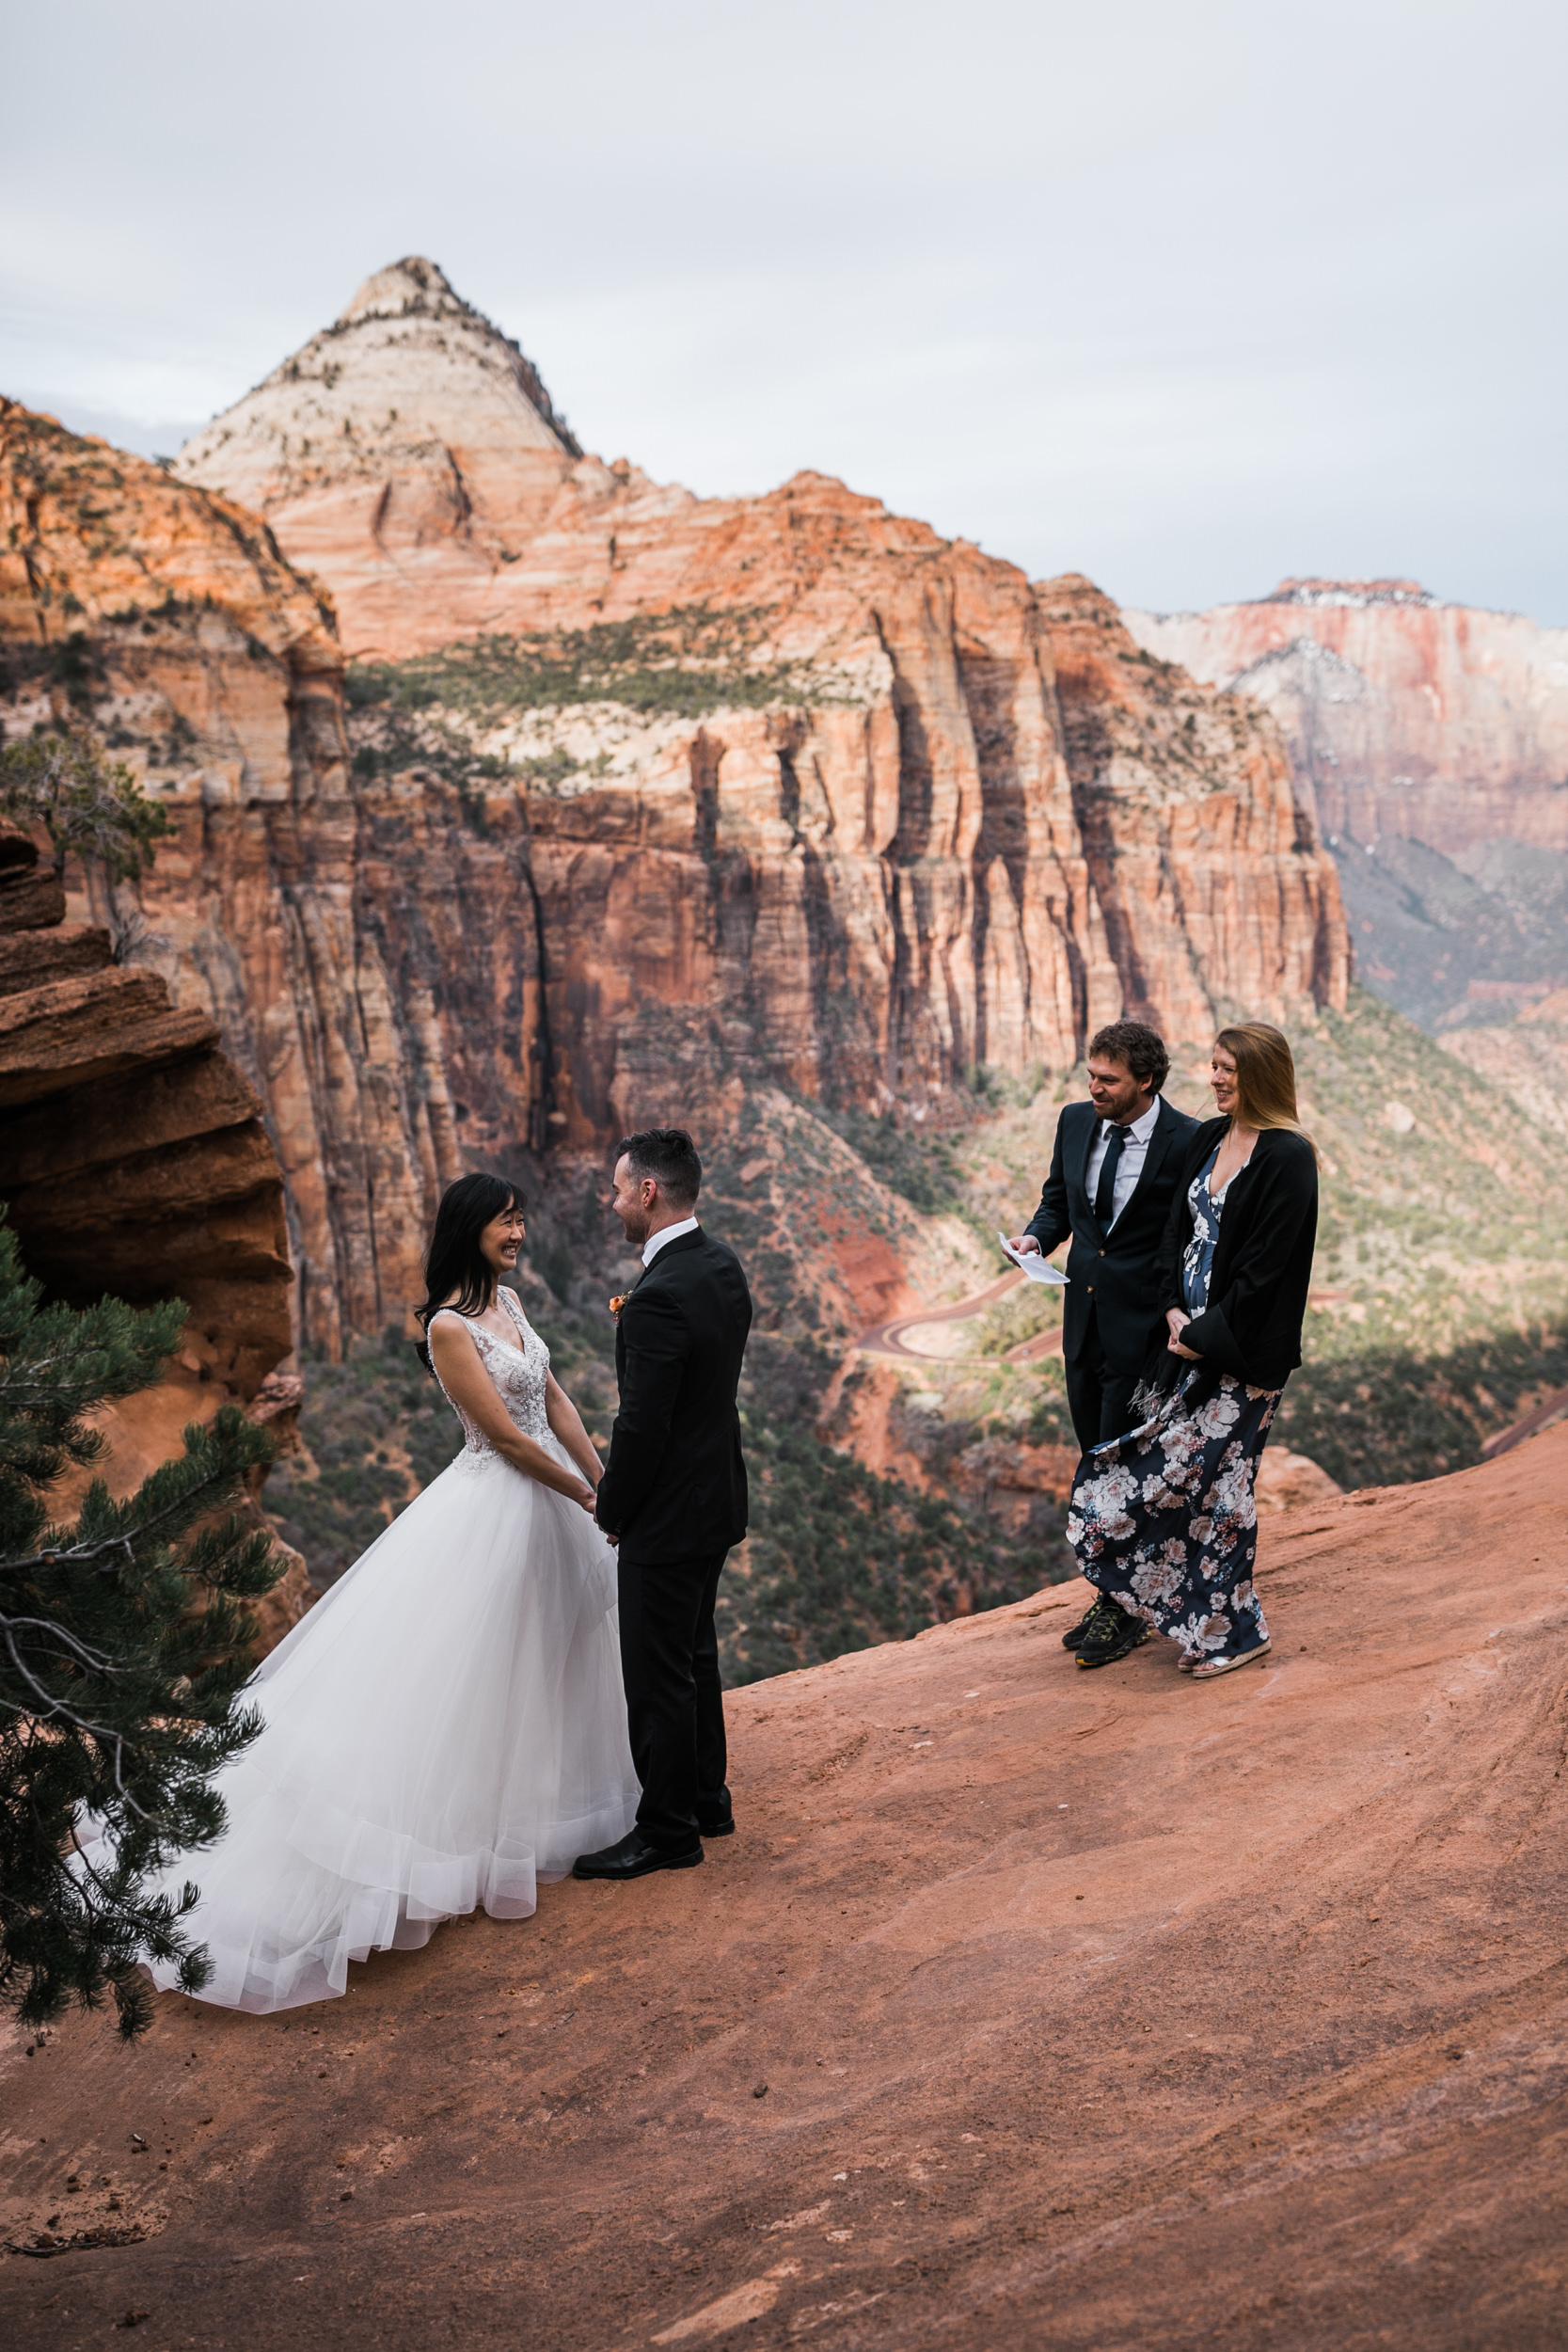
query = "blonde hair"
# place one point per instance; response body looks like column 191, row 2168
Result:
column 1265, row 1077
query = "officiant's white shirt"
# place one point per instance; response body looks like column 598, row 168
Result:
column 1137, row 1135
column 655, row 1242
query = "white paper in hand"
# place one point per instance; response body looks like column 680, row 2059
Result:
column 1032, row 1264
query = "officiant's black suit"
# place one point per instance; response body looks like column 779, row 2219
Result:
column 674, row 1491
column 1112, row 1314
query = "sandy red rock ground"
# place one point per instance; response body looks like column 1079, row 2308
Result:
column 1093, row 2010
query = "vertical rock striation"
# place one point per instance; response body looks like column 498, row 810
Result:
column 1206, row 861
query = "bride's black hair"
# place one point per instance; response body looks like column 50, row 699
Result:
column 453, row 1261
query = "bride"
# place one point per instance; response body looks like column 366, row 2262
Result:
column 447, row 1726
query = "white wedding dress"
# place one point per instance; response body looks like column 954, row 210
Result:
column 445, row 1728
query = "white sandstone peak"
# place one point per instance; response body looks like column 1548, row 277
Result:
column 408, row 379
column 409, row 285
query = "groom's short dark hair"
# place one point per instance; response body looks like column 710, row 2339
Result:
column 668, row 1156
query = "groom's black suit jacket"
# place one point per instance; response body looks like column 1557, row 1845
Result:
column 674, row 1486
column 1113, row 1278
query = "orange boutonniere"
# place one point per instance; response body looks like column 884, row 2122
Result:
column 617, row 1303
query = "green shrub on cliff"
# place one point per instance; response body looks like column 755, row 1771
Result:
column 90, row 807
column 117, row 1692
column 683, row 664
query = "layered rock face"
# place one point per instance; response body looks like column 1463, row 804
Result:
column 134, row 1160
column 168, row 618
column 1402, row 715
column 650, row 796
column 133, row 1153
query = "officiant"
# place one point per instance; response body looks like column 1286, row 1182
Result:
column 1113, row 1173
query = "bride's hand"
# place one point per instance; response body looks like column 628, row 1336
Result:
column 583, row 1494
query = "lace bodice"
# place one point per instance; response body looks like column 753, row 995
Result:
column 517, row 1372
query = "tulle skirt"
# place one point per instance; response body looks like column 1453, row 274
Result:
column 445, row 1728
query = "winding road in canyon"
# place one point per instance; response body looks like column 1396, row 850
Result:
column 887, row 1339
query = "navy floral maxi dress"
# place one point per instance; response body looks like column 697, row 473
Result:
column 1163, row 1520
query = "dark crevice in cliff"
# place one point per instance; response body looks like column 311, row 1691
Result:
column 1100, row 853
column 1171, row 875
column 916, row 784
column 461, row 504
column 544, row 1117
column 989, row 684
column 825, row 945
column 1090, row 750
column 707, row 753
column 789, row 790
column 910, row 1025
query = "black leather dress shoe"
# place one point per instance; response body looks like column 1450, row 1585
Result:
column 717, row 1829
column 632, row 1857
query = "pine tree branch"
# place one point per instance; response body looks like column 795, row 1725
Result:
column 119, row 1699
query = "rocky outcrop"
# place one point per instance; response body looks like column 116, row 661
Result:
column 134, row 1160
column 650, row 798
column 1403, row 715
column 914, row 2067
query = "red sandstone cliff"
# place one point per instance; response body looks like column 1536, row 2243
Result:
column 134, row 1160
column 781, row 786
column 1402, row 715
column 1203, row 857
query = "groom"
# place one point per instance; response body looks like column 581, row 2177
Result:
column 674, row 1499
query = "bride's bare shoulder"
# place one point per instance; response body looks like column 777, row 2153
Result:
column 448, row 1332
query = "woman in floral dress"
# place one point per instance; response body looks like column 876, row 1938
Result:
column 1163, row 1520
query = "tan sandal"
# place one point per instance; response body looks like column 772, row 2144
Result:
column 1213, row 1666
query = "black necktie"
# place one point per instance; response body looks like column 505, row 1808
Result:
column 1105, row 1191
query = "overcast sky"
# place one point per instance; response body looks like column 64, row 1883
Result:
column 1186, row 297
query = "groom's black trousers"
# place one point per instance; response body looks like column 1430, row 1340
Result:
column 674, row 1700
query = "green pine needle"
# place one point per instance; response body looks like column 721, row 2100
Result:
column 124, row 1648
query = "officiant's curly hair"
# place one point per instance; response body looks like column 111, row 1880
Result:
column 454, row 1262
column 1136, row 1046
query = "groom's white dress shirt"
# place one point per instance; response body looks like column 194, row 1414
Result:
column 1128, row 1168
column 655, row 1242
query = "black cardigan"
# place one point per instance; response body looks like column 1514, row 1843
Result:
column 1251, row 1327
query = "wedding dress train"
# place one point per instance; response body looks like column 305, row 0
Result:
column 446, row 1728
